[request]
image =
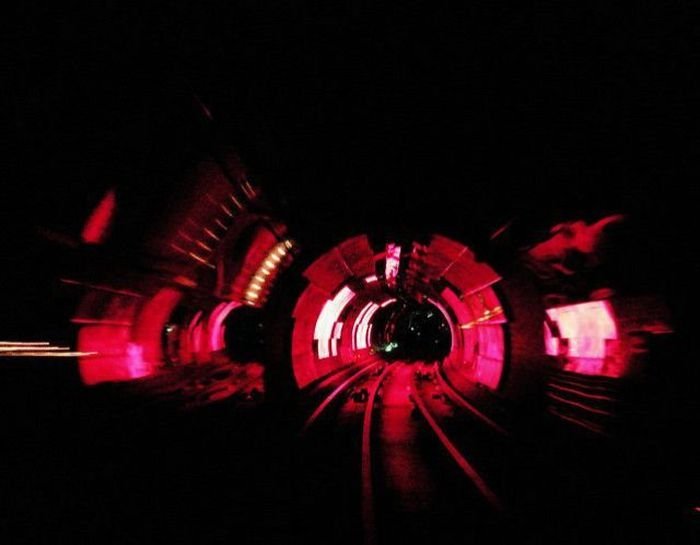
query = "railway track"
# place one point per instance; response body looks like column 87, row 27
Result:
column 394, row 475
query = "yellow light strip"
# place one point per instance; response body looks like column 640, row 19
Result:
column 32, row 348
column 49, row 354
column 24, row 343
column 185, row 236
column 198, row 258
column 488, row 314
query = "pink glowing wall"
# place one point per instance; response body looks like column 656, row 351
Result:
column 584, row 338
column 126, row 349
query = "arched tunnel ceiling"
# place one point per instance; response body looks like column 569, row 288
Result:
column 337, row 311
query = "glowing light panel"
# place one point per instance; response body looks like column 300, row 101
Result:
column 586, row 326
column 325, row 329
column 261, row 281
column 391, row 269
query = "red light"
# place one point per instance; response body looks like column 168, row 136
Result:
column 97, row 225
column 116, row 358
column 126, row 348
column 194, row 335
column 571, row 236
column 216, row 331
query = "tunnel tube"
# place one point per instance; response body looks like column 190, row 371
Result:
column 126, row 349
column 211, row 249
column 344, row 294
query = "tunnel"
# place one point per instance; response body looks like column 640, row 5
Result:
column 273, row 273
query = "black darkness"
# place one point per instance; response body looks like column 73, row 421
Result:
column 352, row 118
column 409, row 120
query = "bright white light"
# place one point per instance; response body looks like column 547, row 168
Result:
column 586, row 326
column 391, row 269
column 361, row 325
column 331, row 311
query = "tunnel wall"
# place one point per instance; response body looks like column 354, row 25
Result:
column 126, row 339
column 327, row 276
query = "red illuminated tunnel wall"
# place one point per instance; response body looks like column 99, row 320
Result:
column 474, row 311
column 321, row 325
column 124, row 331
column 333, row 316
column 214, row 249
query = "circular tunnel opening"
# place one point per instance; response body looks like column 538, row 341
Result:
column 243, row 335
column 416, row 331
column 417, row 301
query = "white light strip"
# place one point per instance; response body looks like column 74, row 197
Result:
column 24, row 343
column 364, row 327
column 357, row 333
column 328, row 317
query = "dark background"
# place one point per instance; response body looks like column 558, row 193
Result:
column 421, row 118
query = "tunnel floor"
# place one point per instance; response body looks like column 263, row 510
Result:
column 240, row 471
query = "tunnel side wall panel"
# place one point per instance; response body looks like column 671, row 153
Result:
column 527, row 365
column 518, row 372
